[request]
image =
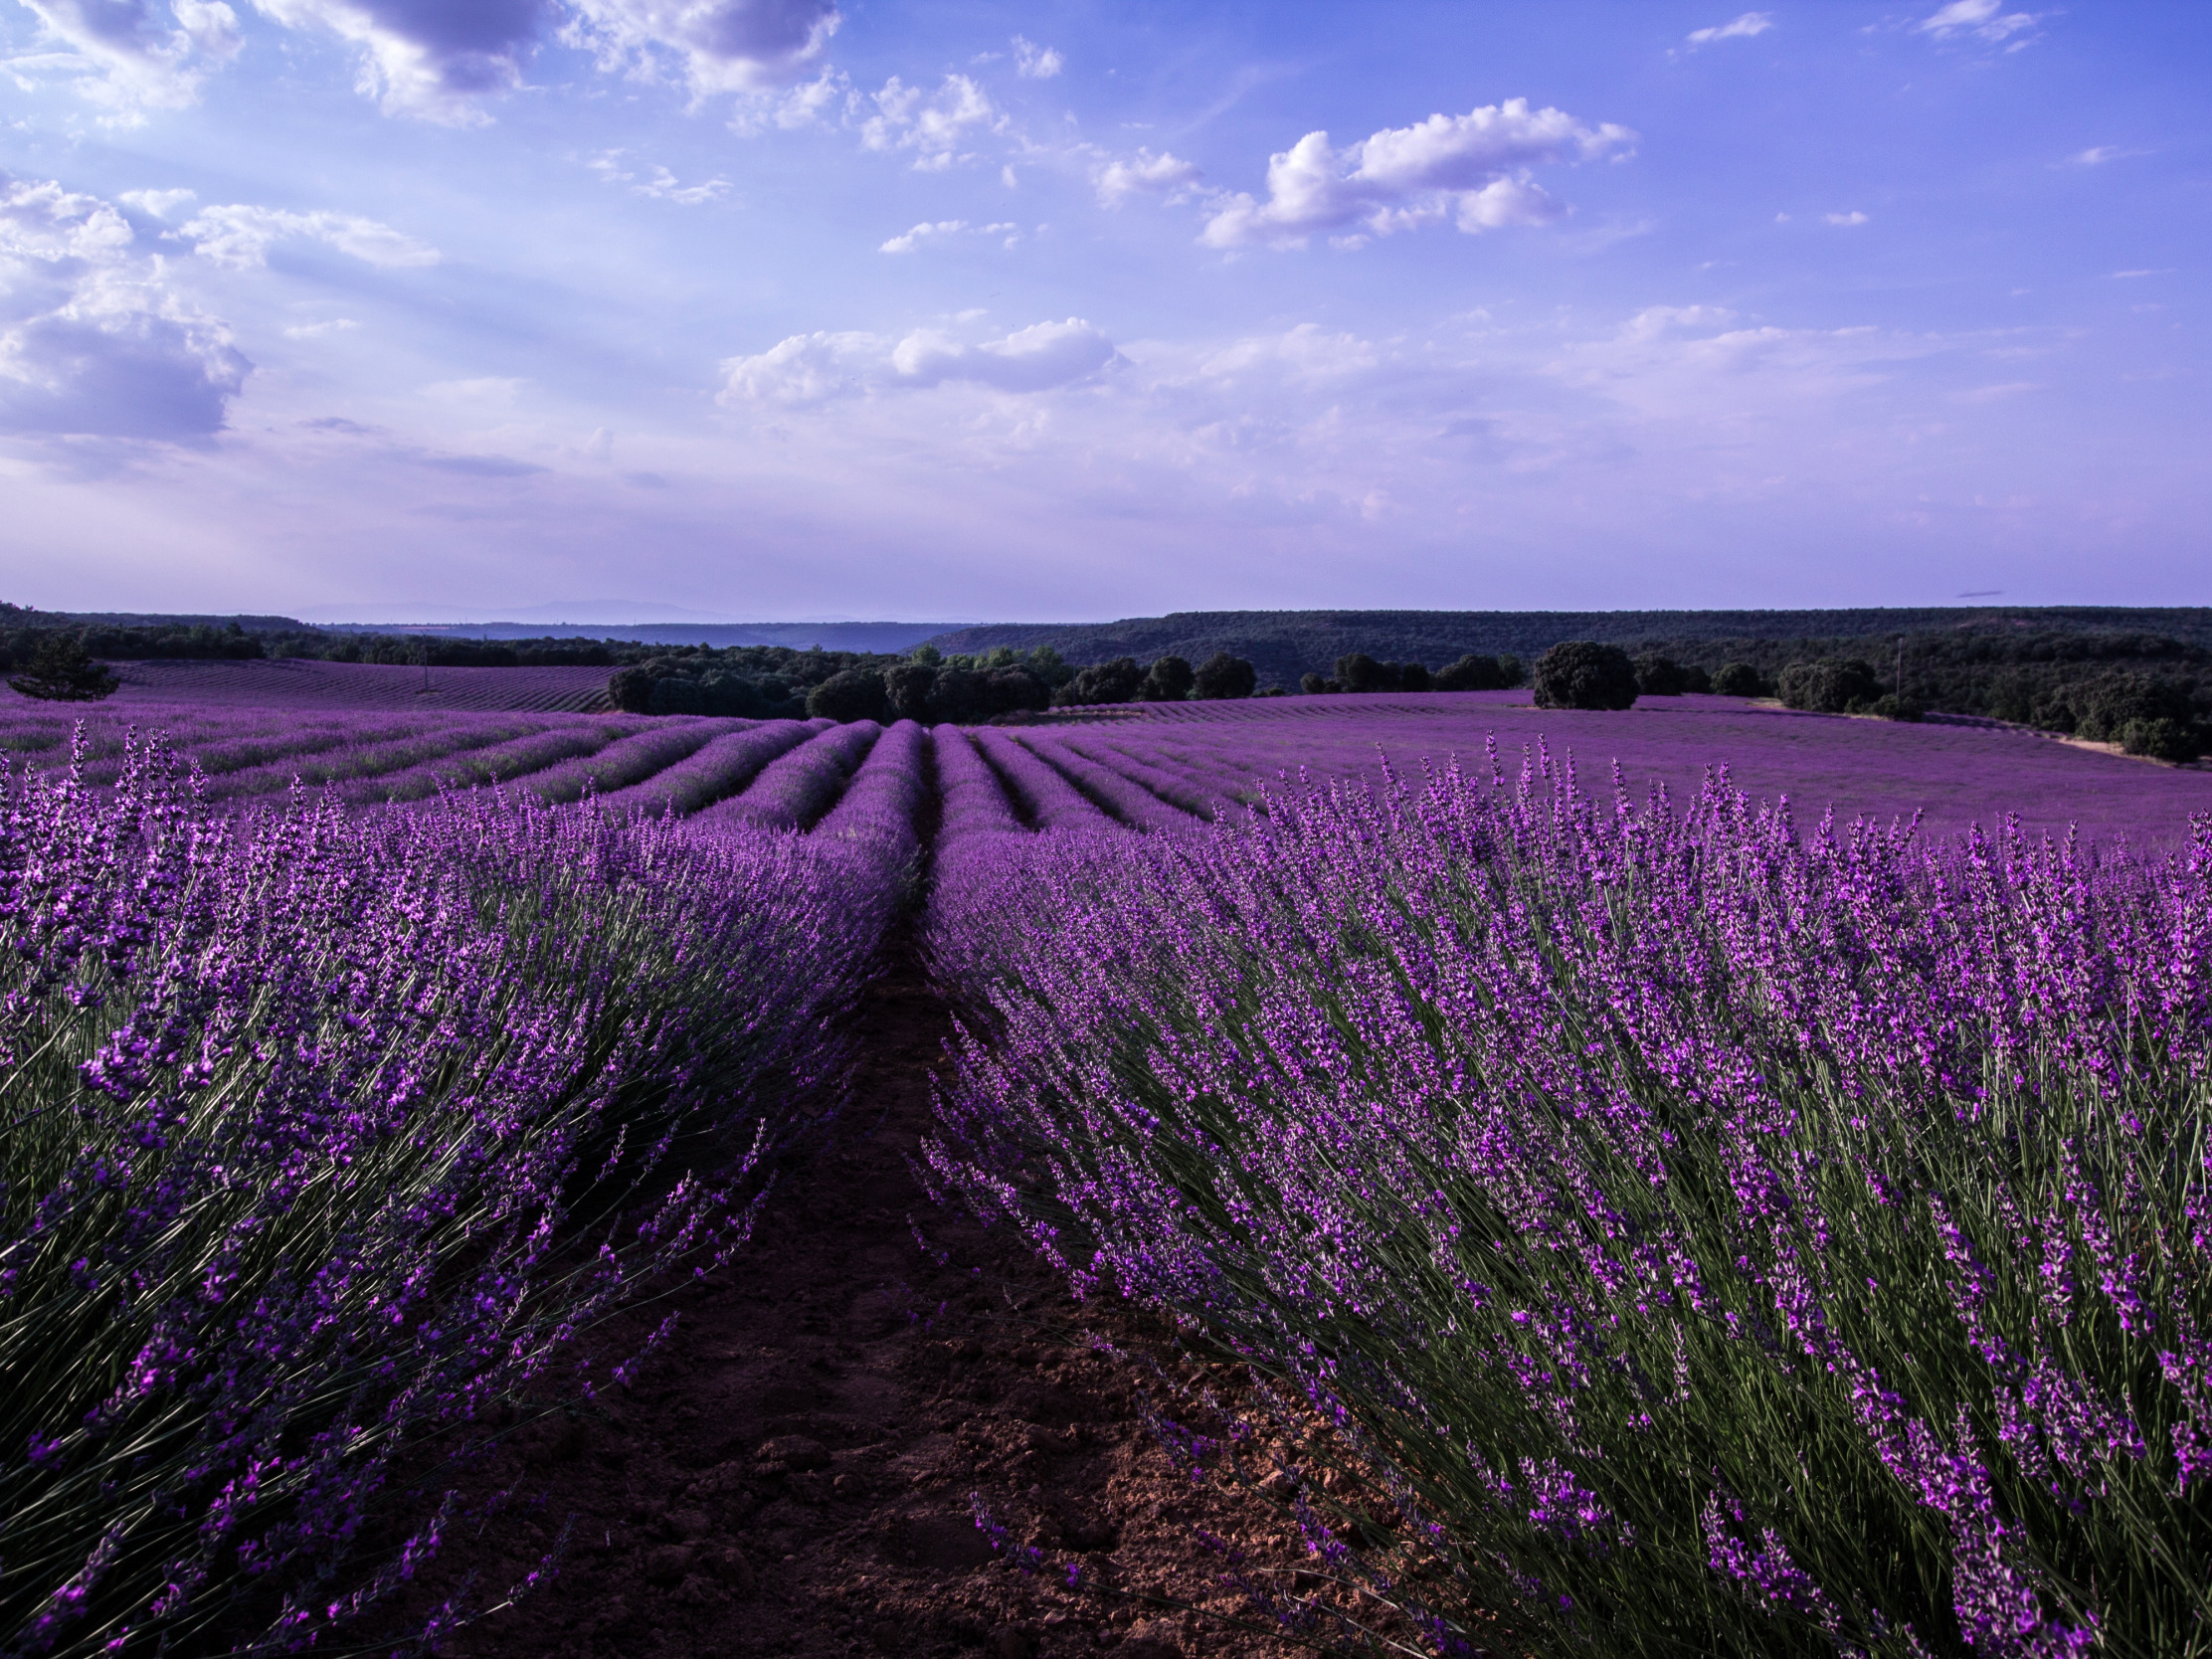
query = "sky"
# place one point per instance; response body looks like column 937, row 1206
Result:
column 809, row 309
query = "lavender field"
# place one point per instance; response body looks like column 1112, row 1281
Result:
column 1651, row 1219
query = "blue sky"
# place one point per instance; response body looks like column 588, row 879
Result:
column 780, row 310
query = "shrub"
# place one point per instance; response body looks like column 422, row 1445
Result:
column 1222, row 676
column 854, row 694
column 1471, row 674
column 1009, row 689
column 1660, row 677
column 1830, row 685
column 1695, row 678
column 1313, row 684
column 1170, row 681
column 1739, row 679
column 1361, row 672
column 1114, row 682
column 2163, row 739
column 1890, row 706
column 1581, row 673
column 907, row 684
column 61, row 670
column 959, row 698
column 1412, row 676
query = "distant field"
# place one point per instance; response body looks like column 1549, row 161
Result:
column 299, row 684
column 1145, row 767
column 1954, row 775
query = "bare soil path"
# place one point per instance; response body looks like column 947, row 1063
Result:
column 794, row 1471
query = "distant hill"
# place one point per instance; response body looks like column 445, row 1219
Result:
column 1282, row 644
column 885, row 637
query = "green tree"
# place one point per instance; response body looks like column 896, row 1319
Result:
column 1581, row 673
column 1222, row 675
column 1170, row 680
column 62, row 671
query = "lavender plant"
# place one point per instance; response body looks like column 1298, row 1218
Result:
column 800, row 786
column 1049, row 799
column 322, row 1135
column 713, row 773
column 1128, row 800
column 880, row 808
column 1706, row 1239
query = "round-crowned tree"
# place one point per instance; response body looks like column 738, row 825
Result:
column 1313, row 684
column 1660, row 677
column 1359, row 672
column 1472, row 673
column 1222, row 676
column 907, row 686
column 1114, row 682
column 851, row 694
column 1739, row 679
column 1830, row 685
column 1170, row 680
column 1413, row 677
column 1581, row 673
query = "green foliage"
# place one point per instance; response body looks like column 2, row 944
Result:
column 1890, row 706
column 1739, row 679
column 1169, row 681
column 61, row 670
column 1660, row 677
column 1583, row 673
column 850, row 695
column 1358, row 671
column 1222, row 676
column 1115, row 681
column 2161, row 739
column 1313, row 685
column 1830, row 685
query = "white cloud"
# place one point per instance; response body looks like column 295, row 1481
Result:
column 1750, row 24
column 93, row 341
column 1854, row 217
column 724, row 45
column 317, row 331
column 811, row 369
column 240, row 237
column 935, row 124
column 439, row 61
column 1979, row 18
column 133, row 56
column 1470, row 168
column 2125, row 276
column 663, row 186
column 1158, row 175
column 1037, row 62
column 914, row 238
column 943, row 228
column 157, row 204
column 2097, row 156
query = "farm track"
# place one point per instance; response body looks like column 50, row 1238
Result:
column 793, row 1472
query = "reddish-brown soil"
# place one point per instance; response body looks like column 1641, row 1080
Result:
column 792, row 1471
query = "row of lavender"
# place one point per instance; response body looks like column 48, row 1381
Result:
column 323, row 1133
column 1695, row 1235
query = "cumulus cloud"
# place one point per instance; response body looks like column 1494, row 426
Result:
column 1985, row 20
column 1471, row 170
column 723, row 46
column 1036, row 62
column 1854, row 217
column 92, row 342
column 157, row 204
column 811, row 369
column 240, row 237
column 934, row 124
column 439, row 61
column 133, row 56
column 1750, row 24
column 1144, row 174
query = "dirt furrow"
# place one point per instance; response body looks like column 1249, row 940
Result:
column 794, row 1471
